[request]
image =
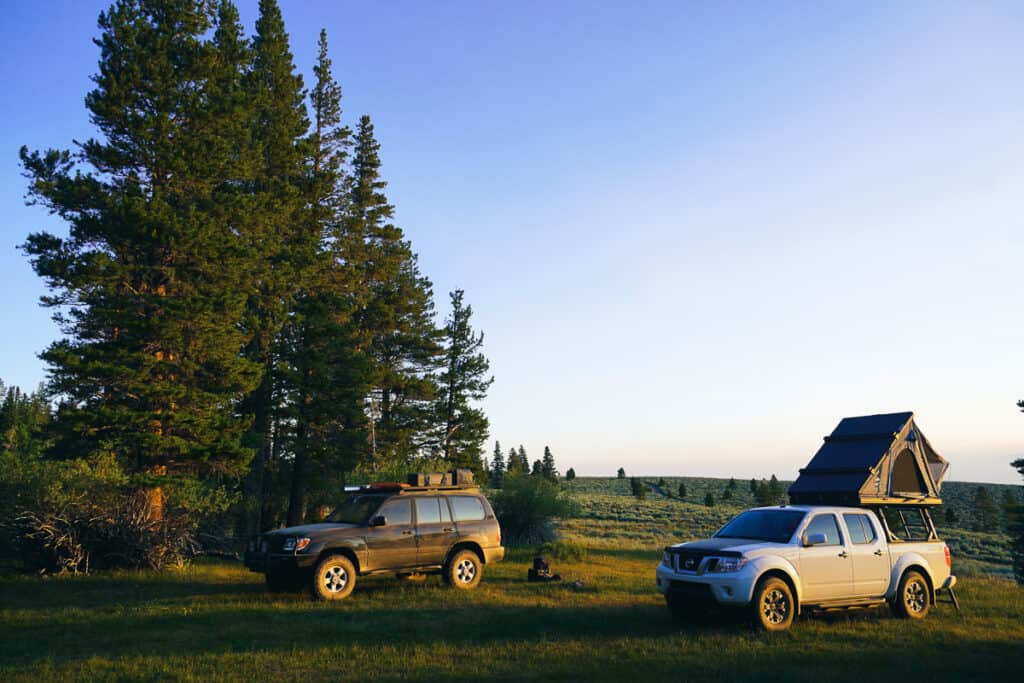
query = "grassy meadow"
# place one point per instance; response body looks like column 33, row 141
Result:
column 214, row 620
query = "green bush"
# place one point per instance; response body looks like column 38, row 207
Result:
column 526, row 508
column 563, row 550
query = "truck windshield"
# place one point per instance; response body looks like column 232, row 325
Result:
column 774, row 526
column 356, row 509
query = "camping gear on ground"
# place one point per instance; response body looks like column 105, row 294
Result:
column 872, row 460
column 541, row 572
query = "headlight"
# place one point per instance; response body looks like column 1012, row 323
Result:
column 728, row 564
column 666, row 559
column 294, row 544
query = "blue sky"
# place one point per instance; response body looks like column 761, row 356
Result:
column 695, row 234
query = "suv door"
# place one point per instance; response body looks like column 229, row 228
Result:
column 826, row 570
column 393, row 544
column 869, row 555
column 435, row 532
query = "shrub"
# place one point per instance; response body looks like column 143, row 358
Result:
column 570, row 474
column 526, row 508
column 563, row 550
column 622, row 473
column 639, row 490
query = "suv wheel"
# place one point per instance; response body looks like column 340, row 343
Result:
column 463, row 570
column 334, row 578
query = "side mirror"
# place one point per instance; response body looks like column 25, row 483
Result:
column 815, row 539
column 379, row 520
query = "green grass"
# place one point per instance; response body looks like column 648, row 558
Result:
column 214, row 621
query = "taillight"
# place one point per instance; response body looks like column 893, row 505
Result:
column 949, row 558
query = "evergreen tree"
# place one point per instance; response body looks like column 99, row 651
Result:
column 682, row 491
column 395, row 310
column 1008, row 507
column 731, row 486
column 150, row 285
column 621, row 474
column 639, row 490
column 753, row 486
column 548, row 467
column 775, row 492
column 515, row 464
column 280, row 238
column 763, row 495
column 463, row 381
column 537, row 470
column 24, row 419
column 727, row 493
column 986, row 516
column 523, row 460
column 570, row 474
column 950, row 516
column 709, row 499
column 497, row 466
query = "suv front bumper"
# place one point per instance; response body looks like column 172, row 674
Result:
column 275, row 563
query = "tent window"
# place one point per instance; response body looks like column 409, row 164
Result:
column 906, row 478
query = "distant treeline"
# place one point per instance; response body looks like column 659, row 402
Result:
column 240, row 314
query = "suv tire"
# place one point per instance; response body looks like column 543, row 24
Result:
column 333, row 578
column 463, row 570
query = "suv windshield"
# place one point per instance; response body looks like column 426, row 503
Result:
column 774, row 526
column 356, row 509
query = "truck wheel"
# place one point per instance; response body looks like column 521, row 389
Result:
column 773, row 604
column 912, row 598
column 334, row 578
column 463, row 570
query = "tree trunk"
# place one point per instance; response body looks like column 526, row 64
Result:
column 252, row 489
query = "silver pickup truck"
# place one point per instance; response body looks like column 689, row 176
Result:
column 778, row 561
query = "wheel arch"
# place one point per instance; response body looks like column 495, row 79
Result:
column 341, row 550
column 923, row 571
column 778, row 572
column 466, row 545
column 907, row 562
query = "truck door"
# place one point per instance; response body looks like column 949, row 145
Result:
column 869, row 553
column 435, row 532
column 826, row 571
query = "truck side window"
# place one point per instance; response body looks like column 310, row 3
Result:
column 427, row 511
column 861, row 529
column 397, row 511
column 467, row 508
column 825, row 524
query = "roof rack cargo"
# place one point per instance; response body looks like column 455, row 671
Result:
column 872, row 460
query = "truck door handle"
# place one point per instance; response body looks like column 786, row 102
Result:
column 842, row 554
column 407, row 532
column 448, row 530
column 878, row 552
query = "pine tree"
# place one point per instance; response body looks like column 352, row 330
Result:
column 150, row 285
column 523, row 460
column 774, row 491
column 621, row 474
column 515, row 464
column 682, row 491
column 463, row 381
column 709, row 499
column 731, row 486
column 396, row 311
column 537, row 470
column 753, row 487
column 548, row 467
column 280, row 238
column 497, row 466
column 570, row 474
column 638, row 489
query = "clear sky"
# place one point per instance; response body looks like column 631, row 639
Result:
column 696, row 235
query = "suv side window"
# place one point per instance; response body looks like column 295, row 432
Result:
column 861, row 529
column 467, row 508
column 397, row 511
column 825, row 524
column 427, row 511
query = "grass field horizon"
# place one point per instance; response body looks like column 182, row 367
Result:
column 213, row 620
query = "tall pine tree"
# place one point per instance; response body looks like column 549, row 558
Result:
column 149, row 286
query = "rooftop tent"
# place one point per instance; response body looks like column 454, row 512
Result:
column 872, row 460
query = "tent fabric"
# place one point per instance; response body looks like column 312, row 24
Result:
column 872, row 460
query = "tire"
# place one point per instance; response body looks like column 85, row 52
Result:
column 463, row 570
column 333, row 578
column 913, row 597
column 773, row 605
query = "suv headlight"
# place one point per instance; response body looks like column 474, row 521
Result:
column 728, row 564
column 295, row 544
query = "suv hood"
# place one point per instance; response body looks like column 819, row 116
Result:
column 311, row 529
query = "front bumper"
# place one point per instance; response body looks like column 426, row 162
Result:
column 733, row 588
column 277, row 563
